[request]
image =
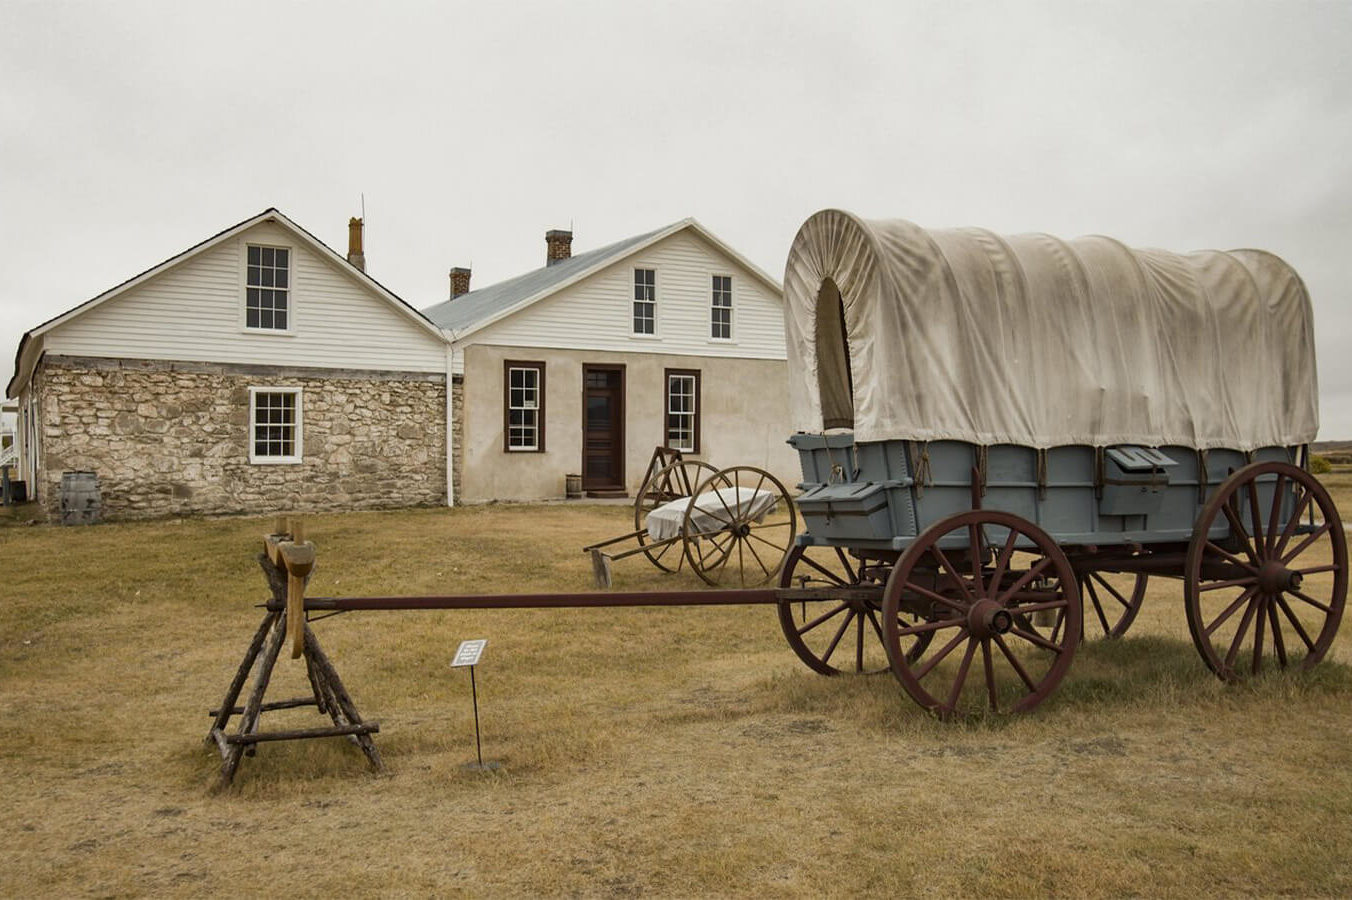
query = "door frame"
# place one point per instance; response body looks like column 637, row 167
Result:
column 618, row 431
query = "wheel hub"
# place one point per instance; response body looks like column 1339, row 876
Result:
column 1273, row 578
column 988, row 618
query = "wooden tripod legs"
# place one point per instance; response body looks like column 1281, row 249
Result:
column 328, row 694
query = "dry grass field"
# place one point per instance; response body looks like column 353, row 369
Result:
column 644, row 752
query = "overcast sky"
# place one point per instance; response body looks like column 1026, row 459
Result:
column 130, row 131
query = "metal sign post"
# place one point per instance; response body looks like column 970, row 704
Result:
column 468, row 655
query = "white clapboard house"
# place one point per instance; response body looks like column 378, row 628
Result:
column 257, row 370
column 584, row 365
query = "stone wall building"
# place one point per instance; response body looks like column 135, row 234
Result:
column 257, row 371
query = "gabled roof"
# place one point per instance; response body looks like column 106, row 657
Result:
column 470, row 312
column 270, row 214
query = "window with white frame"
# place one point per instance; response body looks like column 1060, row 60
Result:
column 267, row 288
column 645, row 301
column 683, row 410
column 720, row 312
column 274, row 425
column 525, row 406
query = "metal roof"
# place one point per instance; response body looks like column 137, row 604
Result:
column 470, row 309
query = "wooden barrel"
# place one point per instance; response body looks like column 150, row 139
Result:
column 572, row 486
column 81, row 502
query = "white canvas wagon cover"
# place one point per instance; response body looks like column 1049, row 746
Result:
column 966, row 335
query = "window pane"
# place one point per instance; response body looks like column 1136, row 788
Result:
column 254, row 254
column 280, row 257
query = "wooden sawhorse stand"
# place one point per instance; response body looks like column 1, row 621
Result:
column 287, row 560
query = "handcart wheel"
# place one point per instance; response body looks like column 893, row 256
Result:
column 672, row 482
column 848, row 631
column 986, row 659
column 1110, row 601
column 739, row 527
column 1277, row 584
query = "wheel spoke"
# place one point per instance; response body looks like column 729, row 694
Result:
column 1036, row 639
column 1028, row 576
column 937, row 598
column 990, row 673
column 1300, row 595
column 1014, row 662
column 974, row 551
column 1295, row 622
column 1239, row 635
column 822, row 618
column 1233, row 582
column 1230, row 611
column 1309, row 539
column 1290, row 530
column 1025, row 608
column 1239, row 532
column 1257, row 515
column 1273, row 516
column 1314, row 570
column 938, row 657
column 1278, row 644
column 859, row 643
column 840, row 633
column 836, row 579
column 845, row 561
column 877, row 626
column 1002, row 563
column 961, row 679
column 1056, row 628
column 1095, row 576
column 1098, row 607
column 924, row 627
column 759, row 561
column 1221, row 551
column 952, row 572
column 778, row 548
column 1260, row 622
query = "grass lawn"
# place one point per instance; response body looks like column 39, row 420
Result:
column 645, row 751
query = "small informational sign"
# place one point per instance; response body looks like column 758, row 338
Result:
column 468, row 654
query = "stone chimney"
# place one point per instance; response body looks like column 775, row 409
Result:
column 459, row 282
column 355, row 255
column 559, row 244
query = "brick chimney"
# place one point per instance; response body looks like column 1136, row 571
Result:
column 355, row 255
column 559, row 244
column 459, row 282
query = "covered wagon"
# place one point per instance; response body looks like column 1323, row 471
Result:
column 1002, row 438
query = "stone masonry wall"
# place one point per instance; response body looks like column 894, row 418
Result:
column 168, row 438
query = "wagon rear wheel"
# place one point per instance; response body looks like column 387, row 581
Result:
column 839, row 634
column 1110, row 601
column 984, row 654
column 672, row 482
column 739, row 528
column 1273, row 591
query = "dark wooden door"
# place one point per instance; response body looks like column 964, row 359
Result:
column 602, row 428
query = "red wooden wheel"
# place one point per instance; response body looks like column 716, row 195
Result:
column 839, row 634
column 1110, row 601
column 981, row 604
column 1276, row 586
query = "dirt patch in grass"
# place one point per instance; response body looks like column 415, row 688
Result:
column 645, row 751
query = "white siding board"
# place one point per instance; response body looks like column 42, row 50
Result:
column 596, row 313
column 193, row 312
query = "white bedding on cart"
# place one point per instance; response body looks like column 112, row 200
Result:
column 711, row 511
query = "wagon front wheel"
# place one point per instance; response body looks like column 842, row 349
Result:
column 978, row 577
column 739, row 527
column 1272, row 587
column 840, row 630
